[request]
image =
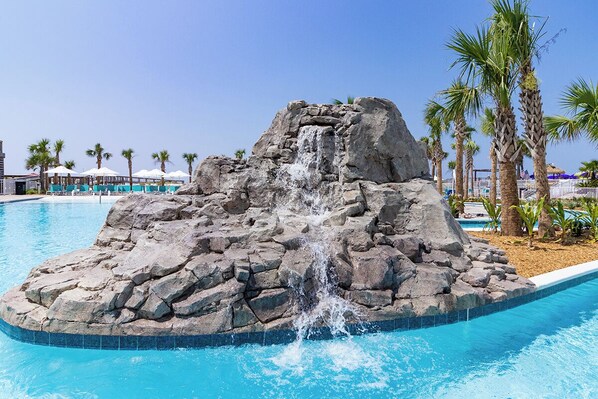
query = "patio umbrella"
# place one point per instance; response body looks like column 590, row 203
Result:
column 103, row 171
column 553, row 170
column 178, row 175
column 141, row 174
column 61, row 170
column 155, row 174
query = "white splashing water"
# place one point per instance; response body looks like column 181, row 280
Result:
column 302, row 178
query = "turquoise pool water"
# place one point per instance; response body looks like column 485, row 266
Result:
column 547, row 349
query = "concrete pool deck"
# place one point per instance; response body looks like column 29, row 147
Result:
column 5, row 199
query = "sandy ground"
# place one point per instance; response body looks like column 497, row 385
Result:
column 546, row 256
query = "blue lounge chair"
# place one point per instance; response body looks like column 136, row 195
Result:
column 137, row 188
column 110, row 188
column 71, row 188
column 84, row 188
column 124, row 188
column 162, row 189
column 151, row 189
column 55, row 189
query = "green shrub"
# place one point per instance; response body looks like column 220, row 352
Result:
column 494, row 212
column 529, row 212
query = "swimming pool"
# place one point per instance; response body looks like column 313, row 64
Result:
column 547, row 348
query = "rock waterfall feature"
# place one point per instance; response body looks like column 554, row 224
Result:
column 333, row 220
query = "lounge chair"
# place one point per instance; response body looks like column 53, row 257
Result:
column 151, row 189
column 70, row 189
column 84, row 189
column 162, row 189
column 137, row 188
column 55, row 189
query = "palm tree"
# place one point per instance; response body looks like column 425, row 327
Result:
column 161, row 157
column 580, row 101
column 525, row 152
column 98, row 153
column 524, row 36
column 435, row 118
column 69, row 165
column 487, row 129
column 58, row 147
column 471, row 149
column 128, row 155
column 460, row 100
column 429, row 153
column 40, row 158
column 239, row 154
column 591, row 168
column 190, row 158
column 485, row 59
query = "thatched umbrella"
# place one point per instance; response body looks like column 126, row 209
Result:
column 553, row 170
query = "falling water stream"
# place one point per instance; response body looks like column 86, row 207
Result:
column 325, row 307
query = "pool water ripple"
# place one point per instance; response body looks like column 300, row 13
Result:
column 545, row 349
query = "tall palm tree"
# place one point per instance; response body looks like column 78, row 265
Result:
column 525, row 35
column 471, row 149
column 429, row 153
column 190, row 158
column 40, row 158
column 161, row 157
column 98, row 152
column 69, row 165
column 487, row 129
column 128, row 155
column 58, row 148
column 435, row 118
column 580, row 101
column 485, row 59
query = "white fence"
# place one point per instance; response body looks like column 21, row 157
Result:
column 527, row 189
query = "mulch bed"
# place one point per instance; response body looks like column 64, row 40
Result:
column 546, row 255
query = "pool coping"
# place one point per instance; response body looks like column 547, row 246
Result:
column 547, row 284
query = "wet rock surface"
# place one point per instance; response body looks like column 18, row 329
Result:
column 234, row 250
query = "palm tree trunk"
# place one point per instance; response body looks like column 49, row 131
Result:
column 459, row 138
column 466, row 183
column 472, row 180
column 130, row 175
column 493, row 165
column 535, row 138
column 438, row 155
column 190, row 171
column 433, row 168
column 508, row 149
column 99, row 162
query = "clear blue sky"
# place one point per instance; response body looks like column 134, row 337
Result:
column 208, row 76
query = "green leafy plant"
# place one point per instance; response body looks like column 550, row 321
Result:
column 529, row 213
column 590, row 218
column 563, row 221
column 494, row 212
column 455, row 204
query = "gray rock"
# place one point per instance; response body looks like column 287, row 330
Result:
column 270, row 304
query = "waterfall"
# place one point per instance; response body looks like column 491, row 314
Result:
column 320, row 303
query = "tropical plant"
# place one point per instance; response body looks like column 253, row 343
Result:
column 590, row 168
column 580, row 101
column 530, row 213
column 162, row 158
column 190, row 158
column 128, row 155
column 486, row 61
column 437, row 123
column 525, row 33
column 471, row 149
column 69, row 165
column 58, row 148
column 493, row 210
column 452, row 164
column 590, row 217
column 350, row 100
column 487, row 129
column 239, row 154
column 99, row 153
column 561, row 219
column 40, row 158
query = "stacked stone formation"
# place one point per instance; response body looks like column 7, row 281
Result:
column 220, row 257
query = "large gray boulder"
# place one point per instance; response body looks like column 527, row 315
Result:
column 334, row 206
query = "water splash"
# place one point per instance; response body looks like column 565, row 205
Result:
column 321, row 305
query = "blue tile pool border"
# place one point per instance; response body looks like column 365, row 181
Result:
column 170, row 342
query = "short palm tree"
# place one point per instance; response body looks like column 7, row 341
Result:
column 471, row 149
column 486, row 61
column 487, row 129
column 190, row 158
column 437, row 123
column 590, row 168
column 58, row 148
column 40, row 158
column 460, row 100
column 162, row 158
column 525, row 35
column 99, row 153
column 580, row 101
column 128, row 155
column 69, row 165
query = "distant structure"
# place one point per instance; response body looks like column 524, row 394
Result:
column 1, row 169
